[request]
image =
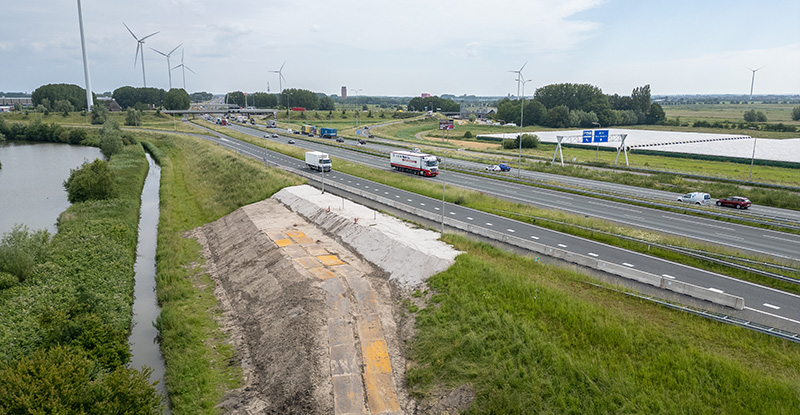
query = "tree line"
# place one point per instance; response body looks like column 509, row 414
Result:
column 582, row 105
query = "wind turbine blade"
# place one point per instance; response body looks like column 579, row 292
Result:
column 523, row 67
column 136, row 57
column 759, row 69
column 177, row 67
column 284, row 63
column 151, row 34
column 182, row 55
column 159, row 52
column 284, row 79
column 176, row 48
column 129, row 29
column 190, row 69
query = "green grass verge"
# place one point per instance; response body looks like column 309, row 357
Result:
column 200, row 183
column 531, row 338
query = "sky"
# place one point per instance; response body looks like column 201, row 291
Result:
column 406, row 48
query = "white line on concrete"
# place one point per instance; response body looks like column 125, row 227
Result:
column 469, row 218
column 452, row 213
column 422, row 204
column 774, row 307
column 562, row 245
column 773, row 315
column 780, row 239
column 593, row 254
column 510, row 230
column 409, row 200
column 716, row 290
column 534, row 237
column 489, row 224
column 667, row 276
column 436, row 208
column 627, row 264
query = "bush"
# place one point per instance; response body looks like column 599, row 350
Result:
column 99, row 114
column 796, row 113
column 21, row 250
column 528, row 141
column 469, row 134
column 76, row 136
column 92, row 181
column 62, row 380
column 110, row 139
column 133, row 117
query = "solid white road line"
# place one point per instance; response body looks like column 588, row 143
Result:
column 593, row 254
column 774, row 307
column 627, row 264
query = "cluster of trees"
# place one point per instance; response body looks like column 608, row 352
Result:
column 291, row 97
column 755, row 116
column 36, row 130
column 200, row 96
column 582, row 105
column 433, row 103
column 60, row 97
column 145, row 98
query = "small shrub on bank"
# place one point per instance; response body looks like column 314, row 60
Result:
column 92, row 181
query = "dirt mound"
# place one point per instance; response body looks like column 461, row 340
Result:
column 317, row 328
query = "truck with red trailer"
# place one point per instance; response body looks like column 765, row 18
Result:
column 414, row 162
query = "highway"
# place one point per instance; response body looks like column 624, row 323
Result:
column 762, row 304
column 780, row 245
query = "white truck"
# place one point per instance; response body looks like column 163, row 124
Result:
column 317, row 160
column 415, row 162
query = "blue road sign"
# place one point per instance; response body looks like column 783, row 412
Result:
column 600, row 136
column 587, row 136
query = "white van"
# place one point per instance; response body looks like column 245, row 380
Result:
column 698, row 198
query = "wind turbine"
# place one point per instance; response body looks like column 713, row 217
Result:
column 184, row 67
column 519, row 77
column 167, row 55
column 139, row 46
column 752, row 81
column 280, row 77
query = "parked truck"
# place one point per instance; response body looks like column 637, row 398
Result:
column 317, row 160
column 414, row 162
column 309, row 130
column 327, row 132
column 271, row 124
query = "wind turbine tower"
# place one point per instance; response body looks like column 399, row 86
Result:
column 753, row 81
column 169, row 68
column 280, row 77
column 519, row 77
column 89, row 101
column 139, row 47
column 184, row 68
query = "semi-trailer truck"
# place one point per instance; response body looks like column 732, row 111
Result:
column 413, row 162
column 317, row 160
column 327, row 132
column 309, row 130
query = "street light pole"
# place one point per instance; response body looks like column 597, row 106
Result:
column 440, row 172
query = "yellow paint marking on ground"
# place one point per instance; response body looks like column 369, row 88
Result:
column 295, row 233
column 322, row 273
column 381, row 395
column 376, row 356
column 283, row 242
column 330, row 260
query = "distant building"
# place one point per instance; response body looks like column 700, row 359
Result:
column 344, row 92
column 425, row 95
column 24, row 101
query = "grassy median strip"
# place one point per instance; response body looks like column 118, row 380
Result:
column 200, row 183
column 533, row 338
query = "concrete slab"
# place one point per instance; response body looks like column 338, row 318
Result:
column 330, row 260
column 308, row 262
column 348, row 395
column 344, row 360
column 322, row 273
column 381, row 393
column 376, row 356
column 284, row 242
column 340, row 332
column 369, row 327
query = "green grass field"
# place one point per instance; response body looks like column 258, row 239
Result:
column 531, row 338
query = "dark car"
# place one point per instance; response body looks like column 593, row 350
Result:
column 339, row 140
column 737, row 202
column 362, row 142
column 371, row 136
